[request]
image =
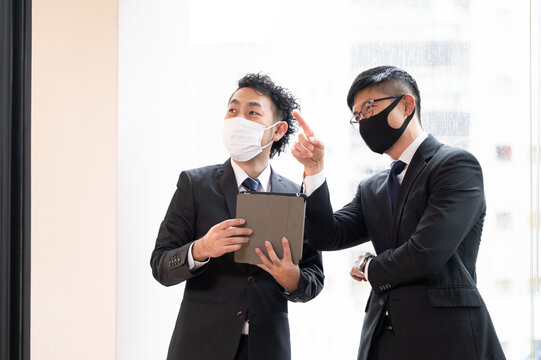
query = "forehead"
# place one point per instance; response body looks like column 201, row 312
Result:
column 251, row 97
column 367, row 94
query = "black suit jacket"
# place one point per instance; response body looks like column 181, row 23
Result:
column 218, row 295
column 424, row 272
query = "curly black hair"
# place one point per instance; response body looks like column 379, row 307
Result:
column 284, row 103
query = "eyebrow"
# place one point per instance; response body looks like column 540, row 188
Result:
column 250, row 104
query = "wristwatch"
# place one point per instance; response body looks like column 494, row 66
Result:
column 362, row 265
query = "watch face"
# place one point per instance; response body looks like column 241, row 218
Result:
column 362, row 265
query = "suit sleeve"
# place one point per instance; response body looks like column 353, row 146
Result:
column 334, row 231
column 169, row 259
column 312, row 277
column 456, row 203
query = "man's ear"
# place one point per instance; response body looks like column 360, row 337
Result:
column 280, row 130
column 408, row 102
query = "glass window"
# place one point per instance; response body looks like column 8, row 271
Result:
column 179, row 62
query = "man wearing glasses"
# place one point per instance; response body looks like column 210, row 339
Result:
column 424, row 217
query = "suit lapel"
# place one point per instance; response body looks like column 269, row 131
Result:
column 277, row 184
column 228, row 186
column 385, row 217
column 422, row 156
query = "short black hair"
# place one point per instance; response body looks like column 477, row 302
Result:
column 388, row 79
column 284, row 103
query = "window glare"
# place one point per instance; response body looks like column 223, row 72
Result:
column 178, row 65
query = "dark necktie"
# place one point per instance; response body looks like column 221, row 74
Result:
column 392, row 181
column 250, row 184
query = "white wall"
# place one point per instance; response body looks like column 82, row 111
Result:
column 74, row 168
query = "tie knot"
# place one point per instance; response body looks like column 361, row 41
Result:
column 250, row 184
column 398, row 167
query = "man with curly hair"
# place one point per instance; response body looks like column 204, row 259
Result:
column 232, row 310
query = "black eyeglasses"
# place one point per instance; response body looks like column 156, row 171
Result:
column 367, row 110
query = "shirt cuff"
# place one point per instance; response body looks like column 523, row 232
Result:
column 313, row 182
column 366, row 269
column 192, row 263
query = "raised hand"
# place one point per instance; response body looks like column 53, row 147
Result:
column 222, row 238
column 308, row 149
column 282, row 270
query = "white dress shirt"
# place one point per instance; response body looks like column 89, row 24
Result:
column 240, row 176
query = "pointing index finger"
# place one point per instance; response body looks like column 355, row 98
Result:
column 304, row 125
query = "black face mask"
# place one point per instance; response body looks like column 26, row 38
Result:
column 377, row 133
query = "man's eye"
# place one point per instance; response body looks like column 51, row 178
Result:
column 232, row 111
column 254, row 113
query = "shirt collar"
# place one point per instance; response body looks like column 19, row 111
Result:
column 264, row 177
column 407, row 155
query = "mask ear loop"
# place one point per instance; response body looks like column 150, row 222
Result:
column 270, row 127
column 407, row 121
column 273, row 125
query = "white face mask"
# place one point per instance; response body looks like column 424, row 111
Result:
column 242, row 138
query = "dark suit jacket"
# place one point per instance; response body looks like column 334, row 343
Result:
column 424, row 272
column 218, row 295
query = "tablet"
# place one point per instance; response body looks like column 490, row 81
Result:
column 271, row 216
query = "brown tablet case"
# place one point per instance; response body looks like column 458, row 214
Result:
column 271, row 216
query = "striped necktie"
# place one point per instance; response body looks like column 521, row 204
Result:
column 250, row 184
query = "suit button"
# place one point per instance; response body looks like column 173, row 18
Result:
column 240, row 315
column 381, row 302
column 251, row 279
